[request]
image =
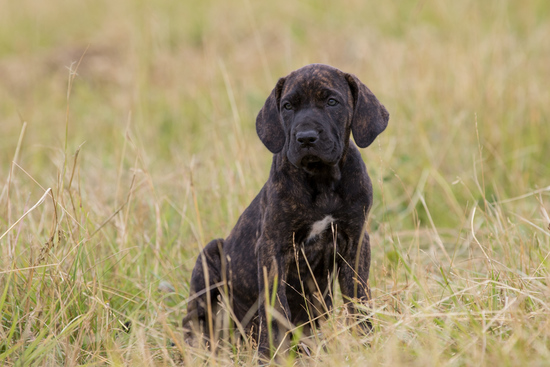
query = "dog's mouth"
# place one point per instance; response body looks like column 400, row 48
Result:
column 314, row 160
column 308, row 159
column 312, row 163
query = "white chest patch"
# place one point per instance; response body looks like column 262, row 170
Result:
column 319, row 227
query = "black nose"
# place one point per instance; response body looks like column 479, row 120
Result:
column 307, row 137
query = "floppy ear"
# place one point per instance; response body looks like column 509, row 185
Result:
column 370, row 117
column 268, row 123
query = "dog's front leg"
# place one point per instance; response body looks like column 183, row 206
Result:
column 274, row 311
column 353, row 276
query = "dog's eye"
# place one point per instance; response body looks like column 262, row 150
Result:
column 287, row 106
column 332, row 102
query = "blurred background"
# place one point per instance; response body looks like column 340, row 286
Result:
column 140, row 116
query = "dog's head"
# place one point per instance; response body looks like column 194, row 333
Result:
column 311, row 112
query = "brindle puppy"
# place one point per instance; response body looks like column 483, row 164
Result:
column 307, row 224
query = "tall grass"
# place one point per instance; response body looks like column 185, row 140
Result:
column 117, row 169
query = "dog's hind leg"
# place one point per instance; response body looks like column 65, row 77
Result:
column 206, row 281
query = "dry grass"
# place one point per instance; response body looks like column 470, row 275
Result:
column 115, row 174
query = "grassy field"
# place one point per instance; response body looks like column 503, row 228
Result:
column 127, row 141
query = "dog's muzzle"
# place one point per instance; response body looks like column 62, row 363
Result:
column 312, row 151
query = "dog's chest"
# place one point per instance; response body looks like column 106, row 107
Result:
column 317, row 245
column 320, row 226
column 326, row 203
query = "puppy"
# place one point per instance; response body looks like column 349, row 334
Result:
column 307, row 224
